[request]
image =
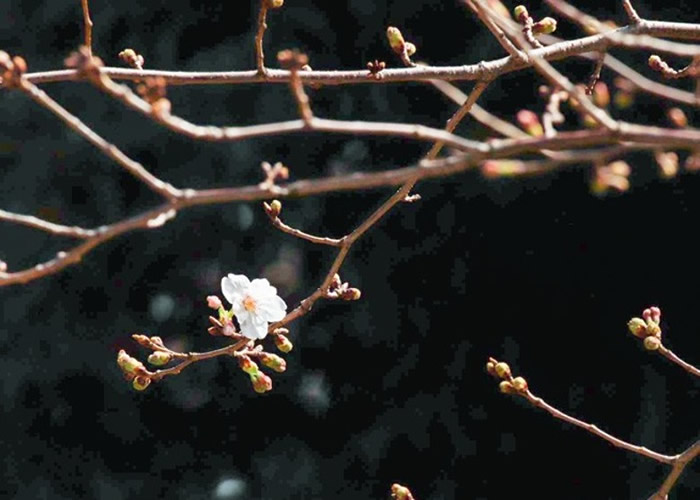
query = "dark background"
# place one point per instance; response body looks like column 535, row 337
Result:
column 538, row 272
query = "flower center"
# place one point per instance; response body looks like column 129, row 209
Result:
column 249, row 304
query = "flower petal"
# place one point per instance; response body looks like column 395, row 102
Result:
column 262, row 286
column 253, row 327
column 272, row 308
column 234, row 286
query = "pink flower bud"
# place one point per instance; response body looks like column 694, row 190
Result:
column 261, row 382
column 214, row 302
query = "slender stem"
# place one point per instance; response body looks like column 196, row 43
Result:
column 46, row 226
column 679, row 464
column 87, row 23
column 463, row 111
column 668, row 354
column 631, row 12
column 305, row 236
column 641, row 450
column 262, row 26
column 133, row 167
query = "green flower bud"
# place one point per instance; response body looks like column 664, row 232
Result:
column 545, row 26
column 129, row 365
column 503, row 370
column 395, row 38
column 159, row 358
column 652, row 343
column 261, row 382
column 520, row 13
column 248, row 365
column 283, row 343
column 274, row 362
column 141, row 383
column 520, row 384
column 637, row 327
column 506, row 387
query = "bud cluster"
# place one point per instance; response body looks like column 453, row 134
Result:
column 343, row 291
column 647, row 327
column 508, row 384
column 131, row 58
column 11, row 69
column 87, row 65
column 545, row 26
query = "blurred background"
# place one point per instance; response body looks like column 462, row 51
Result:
column 538, row 272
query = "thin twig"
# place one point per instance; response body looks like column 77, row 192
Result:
column 631, row 13
column 640, row 450
column 668, row 354
column 259, row 34
column 133, row 167
column 46, row 226
column 87, row 23
column 320, row 240
column 679, row 463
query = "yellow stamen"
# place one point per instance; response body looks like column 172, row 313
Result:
column 249, row 304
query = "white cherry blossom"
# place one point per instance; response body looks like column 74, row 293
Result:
column 255, row 304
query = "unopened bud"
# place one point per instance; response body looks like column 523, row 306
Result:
column 276, row 207
column 520, row 384
column 214, row 302
column 410, row 48
column 623, row 99
column 274, row 4
column 491, row 368
column 530, row 122
column 283, row 343
column 351, row 294
column 129, row 365
column 653, row 329
column 159, row 358
column 399, row 492
column 545, row 26
column 637, row 327
column 274, row 362
column 396, row 41
column 677, row 117
column 655, row 62
column 667, row 162
column 601, row 95
column 3, row 266
column 521, row 14
column 140, row 383
column 652, row 343
column 248, row 365
column 261, row 382
column 506, row 387
column 655, row 314
column 502, row 370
